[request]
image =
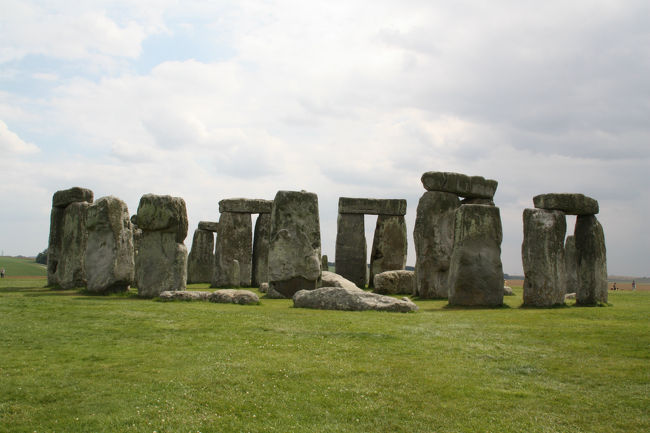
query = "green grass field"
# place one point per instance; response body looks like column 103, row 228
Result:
column 76, row 363
column 19, row 267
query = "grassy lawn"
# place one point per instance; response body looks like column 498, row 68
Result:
column 76, row 363
column 22, row 267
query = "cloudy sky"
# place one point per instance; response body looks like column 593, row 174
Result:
column 215, row 99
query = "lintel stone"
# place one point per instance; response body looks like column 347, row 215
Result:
column 571, row 204
column 459, row 184
column 68, row 196
column 211, row 226
column 245, row 205
column 372, row 206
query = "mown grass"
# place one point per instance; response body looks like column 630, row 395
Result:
column 22, row 267
column 76, row 363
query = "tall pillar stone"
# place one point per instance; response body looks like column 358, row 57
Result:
column 161, row 261
column 591, row 259
column 200, row 261
column 295, row 243
column 260, row 272
column 542, row 253
column 234, row 242
column 389, row 245
column 570, row 265
column 109, row 259
column 434, row 241
column 475, row 271
column 351, row 253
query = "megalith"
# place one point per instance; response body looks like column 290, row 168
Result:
column 389, row 246
column 261, row 250
column 234, row 242
column 570, row 265
column 200, row 261
column 351, row 251
column 475, row 270
column 434, row 241
column 68, row 238
column 542, row 253
column 295, row 243
column 161, row 261
column 109, row 257
column 469, row 187
column 591, row 260
column 569, row 203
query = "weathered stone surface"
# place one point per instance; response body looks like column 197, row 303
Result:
column 507, row 291
column 591, row 258
column 485, row 201
column 71, row 269
column 338, row 298
column 264, row 287
column 185, row 295
column 232, row 296
column 295, row 243
column 475, row 271
column 109, row 253
column 389, row 246
column 261, row 250
column 163, row 213
column 459, row 184
column 245, row 205
column 395, row 282
column 54, row 244
column 73, row 195
column 571, row 204
column 570, row 264
column 200, row 262
column 330, row 279
column 570, row 296
column 234, row 242
column 134, row 220
column 161, row 264
column 351, row 253
column 372, row 206
column 210, row 226
column 235, row 274
column 271, row 293
column 434, row 241
column 324, row 265
column 542, row 253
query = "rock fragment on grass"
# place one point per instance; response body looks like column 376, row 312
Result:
column 339, row 298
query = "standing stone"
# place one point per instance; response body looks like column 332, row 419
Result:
column 434, row 242
column 570, row 265
column 295, row 243
column 234, row 242
column 109, row 251
column 591, row 261
column 260, row 273
column 351, row 253
column 235, row 274
column 200, row 262
column 543, row 258
column 54, row 245
column 71, row 270
column 389, row 246
column 161, row 261
column 475, row 271
column 324, row 263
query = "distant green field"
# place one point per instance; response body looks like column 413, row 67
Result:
column 20, row 267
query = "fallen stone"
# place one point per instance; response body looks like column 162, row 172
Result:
column 271, row 293
column 109, row 256
column 389, row 246
column 395, row 282
column 338, row 298
column 351, row 250
column 210, row 226
column 66, row 197
column 245, row 205
column 569, row 296
column 261, row 239
column 200, row 261
column 459, row 184
column 591, row 261
column 507, row 291
column 234, row 242
column 234, row 296
column 330, row 279
column 163, row 213
column 264, row 287
column 185, row 295
column 571, row 204
column 372, row 206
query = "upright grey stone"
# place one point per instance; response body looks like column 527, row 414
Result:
column 351, row 253
column 475, row 271
column 235, row 274
column 200, row 261
column 542, row 253
column 161, row 261
column 54, row 245
column 459, row 184
column 434, row 241
column 71, row 270
column 234, row 242
column 260, row 272
column 570, row 264
column 324, row 263
column 110, row 263
column 295, row 243
column 389, row 246
column 591, row 261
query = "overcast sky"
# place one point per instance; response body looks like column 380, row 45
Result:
column 213, row 99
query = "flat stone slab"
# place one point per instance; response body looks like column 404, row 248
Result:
column 331, row 279
column 395, row 282
column 73, row 195
column 211, row 226
column 460, row 184
column 372, row 206
column 184, row 295
column 570, row 204
column 245, row 205
column 338, row 298
column 234, row 296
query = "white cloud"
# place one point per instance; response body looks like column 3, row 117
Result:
column 11, row 144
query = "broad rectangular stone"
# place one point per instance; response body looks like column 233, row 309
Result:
column 211, row 226
column 571, row 204
column 372, row 206
column 245, row 205
column 73, row 195
column 351, row 249
column 459, row 184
